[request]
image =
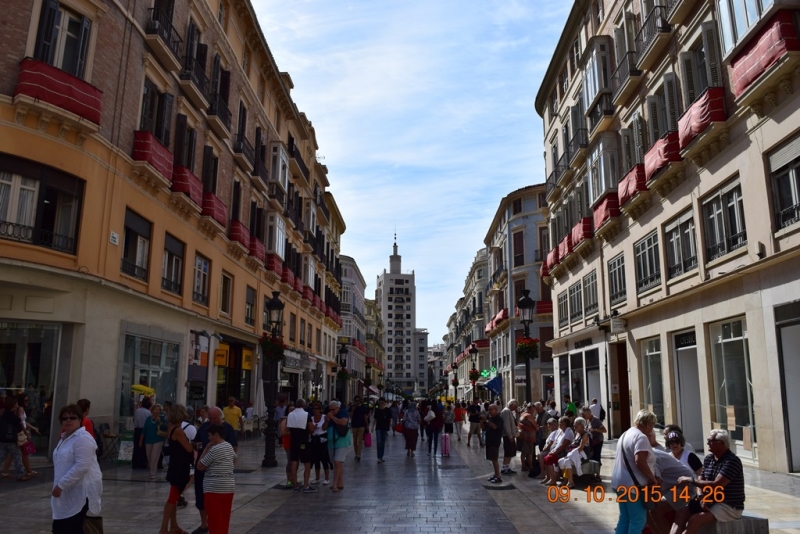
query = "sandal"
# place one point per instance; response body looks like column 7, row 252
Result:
column 33, row 473
column 6, row 474
column 24, row 478
column 335, row 490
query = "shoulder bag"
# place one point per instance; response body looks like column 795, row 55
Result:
column 648, row 505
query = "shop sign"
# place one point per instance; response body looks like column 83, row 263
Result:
column 247, row 359
column 292, row 360
column 687, row 339
column 583, row 343
column 618, row 325
column 221, row 357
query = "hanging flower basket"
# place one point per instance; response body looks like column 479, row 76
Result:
column 272, row 348
column 343, row 375
column 474, row 375
column 455, row 382
column 528, row 348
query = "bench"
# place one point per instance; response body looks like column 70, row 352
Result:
column 748, row 524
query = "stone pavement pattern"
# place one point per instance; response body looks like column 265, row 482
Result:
column 422, row 494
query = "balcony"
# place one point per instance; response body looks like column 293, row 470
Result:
column 663, row 165
column 652, row 38
column 298, row 284
column 214, row 215
column 49, row 91
column 682, row 267
column 678, row 10
column 276, row 196
column 601, row 115
column 163, row 39
column 544, row 307
column 726, row 245
column 256, row 250
column 581, row 235
column 765, row 67
column 577, row 147
column 287, row 277
column 565, row 247
column 701, row 129
column 219, row 116
column 194, row 82
column 260, row 176
column 308, row 293
column 626, row 78
column 634, row 198
column 240, row 238
column 173, row 286
column 296, row 163
column 37, row 236
column 552, row 184
column 565, row 171
column 648, row 282
column 152, row 161
column 243, row 153
column 131, row 269
column 187, row 191
column 606, row 217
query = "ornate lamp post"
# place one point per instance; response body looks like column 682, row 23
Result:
column 269, row 374
column 526, row 307
column 473, row 354
column 343, row 351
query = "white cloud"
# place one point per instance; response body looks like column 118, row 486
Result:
column 424, row 113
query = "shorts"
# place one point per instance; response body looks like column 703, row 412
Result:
column 509, row 447
column 338, row 454
column 550, row 459
column 528, row 448
column 300, row 452
column 724, row 513
column 492, row 453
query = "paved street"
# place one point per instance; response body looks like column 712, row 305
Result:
column 422, row 494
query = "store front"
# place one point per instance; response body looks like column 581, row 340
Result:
column 28, row 359
column 234, row 365
column 687, row 386
column 151, row 363
column 579, row 376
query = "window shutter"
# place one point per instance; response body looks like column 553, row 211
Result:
column 619, row 45
column 237, row 201
column 638, row 137
column 147, row 96
column 225, row 85
column 191, row 149
column 208, row 166
column 165, row 119
column 577, row 119
column 253, row 218
column 689, row 81
column 83, row 46
column 46, row 39
column 180, row 140
column 785, row 154
column 711, row 46
column 215, row 74
column 671, row 97
column 191, row 43
column 202, row 54
column 652, row 122
column 628, row 149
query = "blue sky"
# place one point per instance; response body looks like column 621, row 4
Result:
column 424, row 117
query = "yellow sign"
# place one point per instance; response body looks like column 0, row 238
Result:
column 221, row 358
column 247, row 359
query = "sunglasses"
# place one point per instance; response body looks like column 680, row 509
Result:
column 709, row 442
column 673, row 443
column 70, row 418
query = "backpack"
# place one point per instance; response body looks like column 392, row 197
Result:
column 602, row 414
column 8, row 428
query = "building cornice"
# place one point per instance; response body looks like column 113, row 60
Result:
column 504, row 202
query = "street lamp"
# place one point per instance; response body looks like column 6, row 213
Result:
column 343, row 351
column 526, row 306
column 473, row 354
column 269, row 374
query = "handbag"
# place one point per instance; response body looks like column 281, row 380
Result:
column 367, row 439
column 93, row 525
column 648, row 505
column 398, row 427
column 28, row 448
column 22, row 437
column 429, row 416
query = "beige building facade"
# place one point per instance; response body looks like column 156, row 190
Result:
column 672, row 155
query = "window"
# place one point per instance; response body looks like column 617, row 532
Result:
column 185, row 143
column 302, row 331
column 590, row 294
column 292, row 326
column 663, row 109
column 202, row 272
column 172, row 265
column 63, row 38
column 602, row 166
column 156, row 112
column 681, row 245
column 280, row 166
column 136, row 245
column 736, row 17
column 575, row 305
column 250, row 306
column 596, row 73
column 222, row 15
column 516, row 207
column 724, row 221
column 616, row 279
column 634, row 144
column 648, row 265
column 210, row 168
column 701, row 65
column 652, row 378
column 225, row 290
column 733, row 383
column 563, row 309
column 519, row 249
column 310, row 332
column 575, row 55
column 276, row 241
column 784, row 166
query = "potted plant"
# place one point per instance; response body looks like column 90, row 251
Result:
column 474, row 375
column 455, row 382
column 528, row 348
column 272, row 347
column 343, row 374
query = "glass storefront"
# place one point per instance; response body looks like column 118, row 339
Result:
column 652, row 378
column 733, row 385
column 234, row 369
column 28, row 354
column 150, row 363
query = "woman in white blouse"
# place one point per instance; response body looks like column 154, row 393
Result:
column 78, row 482
column 218, row 483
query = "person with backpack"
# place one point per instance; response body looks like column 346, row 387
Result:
column 10, row 426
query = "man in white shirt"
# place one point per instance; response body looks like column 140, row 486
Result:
column 300, row 427
column 595, row 408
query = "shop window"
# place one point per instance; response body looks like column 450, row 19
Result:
column 156, row 112
column 151, row 363
column 136, row 245
column 172, row 265
column 681, row 245
column 225, row 293
column 733, row 383
column 652, row 378
column 202, row 273
column 250, row 306
column 724, row 221
column 63, row 38
column 648, row 263
column 616, row 280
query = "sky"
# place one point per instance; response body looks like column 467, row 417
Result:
column 424, row 115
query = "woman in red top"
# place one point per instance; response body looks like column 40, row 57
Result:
column 460, row 415
column 85, row 405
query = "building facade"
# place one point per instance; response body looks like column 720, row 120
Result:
column 396, row 295
column 514, row 257
column 672, row 155
column 376, row 354
column 155, row 139
column 353, row 334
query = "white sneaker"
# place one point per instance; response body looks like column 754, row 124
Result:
column 315, row 482
column 326, row 482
